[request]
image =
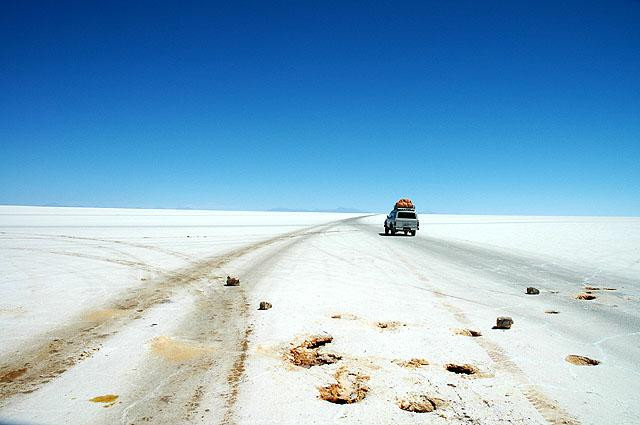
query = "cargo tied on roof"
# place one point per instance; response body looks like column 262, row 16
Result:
column 404, row 203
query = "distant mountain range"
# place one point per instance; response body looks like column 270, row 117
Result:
column 277, row 209
column 334, row 210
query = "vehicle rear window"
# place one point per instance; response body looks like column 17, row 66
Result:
column 406, row 215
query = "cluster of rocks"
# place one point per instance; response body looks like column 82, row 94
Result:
column 234, row 281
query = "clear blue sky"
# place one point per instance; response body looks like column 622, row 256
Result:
column 465, row 106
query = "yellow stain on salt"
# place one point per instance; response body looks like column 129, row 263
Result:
column 108, row 398
column 177, row 351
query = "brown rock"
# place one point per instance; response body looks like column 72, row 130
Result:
column 532, row 291
column 264, row 305
column 503, row 322
column 232, row 281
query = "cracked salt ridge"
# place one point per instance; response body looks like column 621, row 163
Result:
column 307, row 354
column 420, row 403
column 349, row 387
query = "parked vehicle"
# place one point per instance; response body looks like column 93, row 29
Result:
column 403, row 218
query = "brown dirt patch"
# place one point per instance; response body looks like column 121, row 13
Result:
column 307, row 354
column 585, row 297
column 420, row 403
column 344, row 316
column 390, row 325
column 350, row 388
column 412, row 363
column 467, row 332
column 104, row 314
column 12, row 375
column 581, row 360
column 462, row 369
column 177, row 351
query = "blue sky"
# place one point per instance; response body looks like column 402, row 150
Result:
column 465, row 106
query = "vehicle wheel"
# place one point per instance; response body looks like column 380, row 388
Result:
column 386, row 230
column 406, row 232
column 393, row 231
column 413, row 233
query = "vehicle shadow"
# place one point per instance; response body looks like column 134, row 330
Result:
column 397, row 234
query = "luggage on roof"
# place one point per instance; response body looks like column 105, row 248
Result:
column 404, row 203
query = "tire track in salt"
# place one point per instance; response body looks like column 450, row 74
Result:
column 68, row 238
column 220, row 322
column 122, row 262
column 50, row 355
column 549, row 409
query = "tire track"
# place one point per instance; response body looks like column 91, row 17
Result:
column 122, row 262
column 112, row 241
column 50, row 355
column 549, row 409
column 220, row 322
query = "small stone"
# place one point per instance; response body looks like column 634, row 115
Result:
column 232, row 281
column 264, row 305
column 503, row 322
column 532, row 291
